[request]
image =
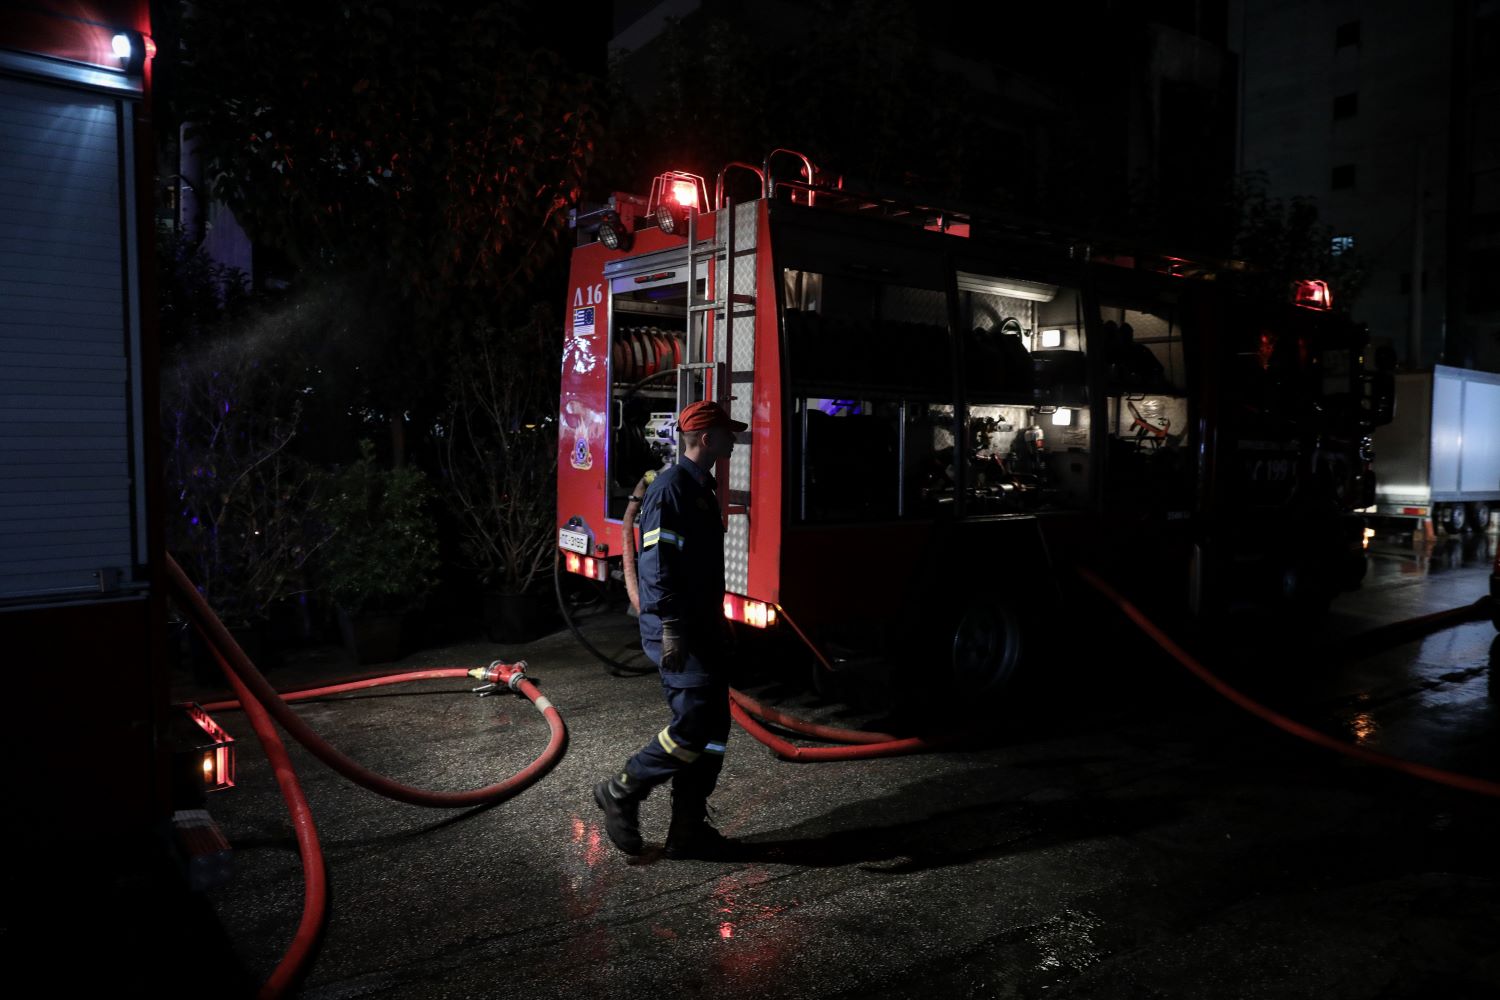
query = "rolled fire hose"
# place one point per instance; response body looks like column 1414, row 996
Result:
column 218, row 637
column 260, row 702
column 1468, row 783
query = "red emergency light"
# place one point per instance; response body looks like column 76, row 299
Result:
column 674, row 195
column 1312, row 294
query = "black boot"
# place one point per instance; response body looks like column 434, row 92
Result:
column 692, row 836
column 622, row 812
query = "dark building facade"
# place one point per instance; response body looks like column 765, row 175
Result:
column 1113, row 118
column 1387, row 114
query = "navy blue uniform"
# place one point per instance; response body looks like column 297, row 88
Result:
column 682, row 582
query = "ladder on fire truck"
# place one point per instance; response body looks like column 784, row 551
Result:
column 730, row 299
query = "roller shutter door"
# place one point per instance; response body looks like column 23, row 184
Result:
column 68, row 449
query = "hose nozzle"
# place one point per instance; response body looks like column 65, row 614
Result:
column 499, row 672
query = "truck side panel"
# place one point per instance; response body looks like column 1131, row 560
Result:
column 766, row 425
column 1479, row 464
column 1402, row 447
column 1447, row 433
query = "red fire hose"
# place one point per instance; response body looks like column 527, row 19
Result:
column 1468, row 783
column 747, row 711
column 314, row 874
column 218, row 636
column 261, row 702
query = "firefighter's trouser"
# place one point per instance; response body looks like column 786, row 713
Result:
column 689, row 752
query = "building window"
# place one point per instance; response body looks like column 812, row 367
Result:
column 1347, row 34
column 1345, row 106
column 1341, row 245
column 1342, row 178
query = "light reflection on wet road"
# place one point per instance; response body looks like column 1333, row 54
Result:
column 1136, row 838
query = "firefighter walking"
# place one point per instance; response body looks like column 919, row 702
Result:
column 684, row 633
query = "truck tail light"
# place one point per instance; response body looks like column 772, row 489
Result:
column 203, row 750
column 594, row 569
column 757, row 614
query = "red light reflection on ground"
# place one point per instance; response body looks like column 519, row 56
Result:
column 752, row 937
column 595, row 852
column 734, row 909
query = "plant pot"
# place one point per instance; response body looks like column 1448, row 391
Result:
column 371, row 638
column 514, row 618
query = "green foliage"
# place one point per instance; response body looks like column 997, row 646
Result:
column 430, row 145
column 195, row 294
column 499, row 449
column 240, row 520
column 381, row 556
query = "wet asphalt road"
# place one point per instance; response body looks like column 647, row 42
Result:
column 1128, row 834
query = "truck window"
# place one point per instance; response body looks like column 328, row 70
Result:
column 1146, row 404
column 870, row 367
column 1025, row 383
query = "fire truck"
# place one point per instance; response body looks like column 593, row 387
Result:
column 947, row 411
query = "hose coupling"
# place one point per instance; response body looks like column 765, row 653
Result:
column 499, row 672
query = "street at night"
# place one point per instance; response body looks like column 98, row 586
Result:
column 1131, row 836
column 810, row 498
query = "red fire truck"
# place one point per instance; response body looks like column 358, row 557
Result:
column 946, row 412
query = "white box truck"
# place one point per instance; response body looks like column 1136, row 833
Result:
column 1440, row 456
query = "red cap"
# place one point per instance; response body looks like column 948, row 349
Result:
column 705, row 413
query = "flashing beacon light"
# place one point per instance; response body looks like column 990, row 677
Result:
column 121, row 46
column 1312, row 294
column 678, row 192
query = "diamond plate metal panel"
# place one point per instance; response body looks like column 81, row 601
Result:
column 739, row 462
column 737, row 555
column 989, row 311
column 914, row 305
column 745, row 226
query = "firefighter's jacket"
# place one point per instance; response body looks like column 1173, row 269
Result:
column 681, row 566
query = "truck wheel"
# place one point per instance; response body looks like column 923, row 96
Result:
column 1307, row 589
column 1479, row 515
column 987, row 645
column 1450, row 517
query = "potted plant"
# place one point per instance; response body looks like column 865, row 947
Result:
column 499, row 457
column 380, row 560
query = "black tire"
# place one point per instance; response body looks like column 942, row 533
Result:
column 1307, row 590
column 1451, row 518
column 988, row 646
column 1479, row 515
